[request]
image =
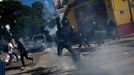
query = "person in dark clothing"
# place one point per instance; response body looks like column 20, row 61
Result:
column 64, row 36
column 83, row 41
column 23, row 53
column 111, row 29
column 99, row 32
column 57, row 20
column 48, row 36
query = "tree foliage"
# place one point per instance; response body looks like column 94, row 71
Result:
column 10, row 11
column 38, row 6
column 23, row 19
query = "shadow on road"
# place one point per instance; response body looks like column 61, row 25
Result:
column 87, row 50
column 13, row 68
column 125, row 41
column 8, row 68
column 41, row 71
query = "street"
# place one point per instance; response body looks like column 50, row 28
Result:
column 113, row 58
column 99, row 33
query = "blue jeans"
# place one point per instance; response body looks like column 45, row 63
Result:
column 12, row 56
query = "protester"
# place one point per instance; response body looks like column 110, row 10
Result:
column 83, row 41
column 99, row 35
column 23, row 53
column 111, row 29
column 64, row 36
column 9, row 48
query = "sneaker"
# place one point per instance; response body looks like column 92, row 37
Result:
column 22, row 68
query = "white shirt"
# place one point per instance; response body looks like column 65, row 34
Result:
column 10, row 47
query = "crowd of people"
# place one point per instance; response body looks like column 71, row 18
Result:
column 12, row 47
column 64, row 38
column 63, row 41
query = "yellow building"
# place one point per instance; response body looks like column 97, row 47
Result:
column 80, row 12
column 122, row 12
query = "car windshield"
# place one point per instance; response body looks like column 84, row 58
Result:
column 38, row 37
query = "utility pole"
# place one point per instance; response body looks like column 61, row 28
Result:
column 131, row 16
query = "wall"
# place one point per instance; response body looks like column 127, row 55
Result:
column 121, row 13
column 121, row 6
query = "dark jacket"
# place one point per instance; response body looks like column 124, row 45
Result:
column 64, row 34
column 20, row 46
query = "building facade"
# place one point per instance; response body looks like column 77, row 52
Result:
column 81, row 12
column 122, row 12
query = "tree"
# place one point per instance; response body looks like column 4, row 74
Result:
column 10, row 10
column 24, row 19
column 20, row 18
column 44, row 13
column 38, row 6
column 31, row 21
column 9, row 13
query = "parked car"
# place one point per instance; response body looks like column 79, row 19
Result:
column 37, row 43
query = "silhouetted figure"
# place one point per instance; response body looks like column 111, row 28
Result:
column 48, row 36
column 64, row 39
column 58, row 23
column 99, row 32
column 23, row 53
column 83, row 41
column 111, row 29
